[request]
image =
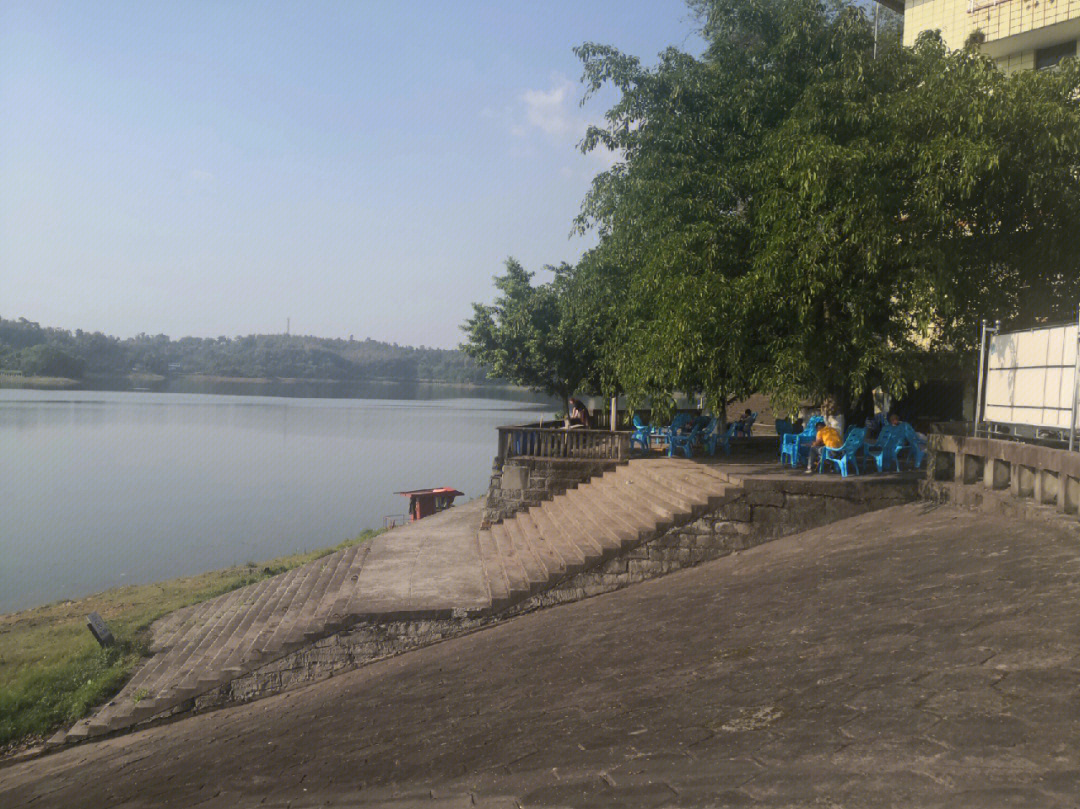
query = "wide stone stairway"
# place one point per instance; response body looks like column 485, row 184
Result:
column 437, row 568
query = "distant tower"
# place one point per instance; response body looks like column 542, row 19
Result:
column 287, row 327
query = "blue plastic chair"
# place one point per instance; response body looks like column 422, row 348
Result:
column 677, row 424
column 708, row 429
column 794, row 443
column 783, row 428
column 912, row 442
column 844, row 455
column 642, row 434
column 684, row 441
column 724, row 439
column 883, row 451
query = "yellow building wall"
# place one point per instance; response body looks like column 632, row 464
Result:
column 997, row 19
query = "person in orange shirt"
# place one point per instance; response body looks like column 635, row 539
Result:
column 826, row 437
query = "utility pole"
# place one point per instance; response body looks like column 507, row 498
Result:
column 287, row 323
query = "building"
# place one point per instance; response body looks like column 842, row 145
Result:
column 1017, row 34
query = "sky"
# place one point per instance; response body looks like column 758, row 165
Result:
column 360, row 168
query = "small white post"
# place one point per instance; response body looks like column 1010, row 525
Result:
column 1076, row 387
column 979, row 388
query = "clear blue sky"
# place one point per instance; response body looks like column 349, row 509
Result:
column 211, row 168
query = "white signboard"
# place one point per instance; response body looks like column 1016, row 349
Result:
column 1031, row 377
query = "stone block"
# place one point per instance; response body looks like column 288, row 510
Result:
column 1069, row 494
column 765, row 497
column 738, row 512
column 1022, row 481
column 731, row 527
column 942, row 466
column 1046, row 487
column 971, row 469
column 996, row 473
column 515, row 476
column 837, row 508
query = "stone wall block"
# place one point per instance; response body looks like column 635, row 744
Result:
column 1069, row 494
column 1046, row 487
column 765, row 497
column 738, row 512
column 731, row 527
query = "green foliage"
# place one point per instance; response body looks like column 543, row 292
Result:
column 48, row 360
column 802, row 213
column 541, row 337
column 43, row 698
column 57, row 352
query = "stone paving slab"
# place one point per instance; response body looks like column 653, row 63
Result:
column 428, row 565
column 914, row 657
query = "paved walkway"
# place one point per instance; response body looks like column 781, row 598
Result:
column 910, row 657
column 435, row 568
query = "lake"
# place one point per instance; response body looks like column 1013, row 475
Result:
column 100, row 489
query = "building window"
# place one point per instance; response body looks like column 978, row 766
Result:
column 1049, row 57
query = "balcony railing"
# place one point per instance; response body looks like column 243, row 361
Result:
column 537, row 441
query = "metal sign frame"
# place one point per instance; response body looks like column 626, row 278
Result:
column 982, row 424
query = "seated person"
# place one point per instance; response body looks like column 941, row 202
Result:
column 742, row 426
column 834, row 416
column 826, row 437
column 875, row 424
column 579, row 414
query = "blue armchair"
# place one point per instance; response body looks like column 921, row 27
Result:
column 642, row 434
column 844, row 455
column 795, row 443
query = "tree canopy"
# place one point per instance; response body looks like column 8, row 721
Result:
column 810, row 209
column 33, row 349
column 543, row 337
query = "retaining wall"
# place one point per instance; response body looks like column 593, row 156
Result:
column 523, row 481
column 762, row 510
column 1021, row 480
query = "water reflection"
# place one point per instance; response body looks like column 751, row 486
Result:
column 99, row 489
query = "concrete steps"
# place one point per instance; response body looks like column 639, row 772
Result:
column 578, row 530
column 227, row 636
column 204, row 647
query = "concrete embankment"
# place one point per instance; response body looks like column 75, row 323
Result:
column 441, row 578
column 918, row 656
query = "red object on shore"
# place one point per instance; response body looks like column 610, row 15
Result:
column 425, row 502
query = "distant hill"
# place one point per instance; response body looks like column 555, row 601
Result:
column 35, row 350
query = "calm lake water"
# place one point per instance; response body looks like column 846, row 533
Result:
column 99, row 489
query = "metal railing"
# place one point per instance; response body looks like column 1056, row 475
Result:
column 537, row 441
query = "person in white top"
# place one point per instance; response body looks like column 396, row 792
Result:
column 834, row 417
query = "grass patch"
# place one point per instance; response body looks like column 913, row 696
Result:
column 52, row 672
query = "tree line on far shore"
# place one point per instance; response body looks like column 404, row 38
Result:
column 806, row 210
column 34, row 350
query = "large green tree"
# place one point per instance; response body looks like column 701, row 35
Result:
column 803, row 210
column 540, row 337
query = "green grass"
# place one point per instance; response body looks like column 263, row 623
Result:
column 52, row 671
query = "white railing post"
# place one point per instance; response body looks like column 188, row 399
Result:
column 980, row 384
column 1076, row 387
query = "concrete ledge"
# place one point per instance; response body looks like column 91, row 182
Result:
column 1033, row 456
column 1044, row 475
column 999, row 502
